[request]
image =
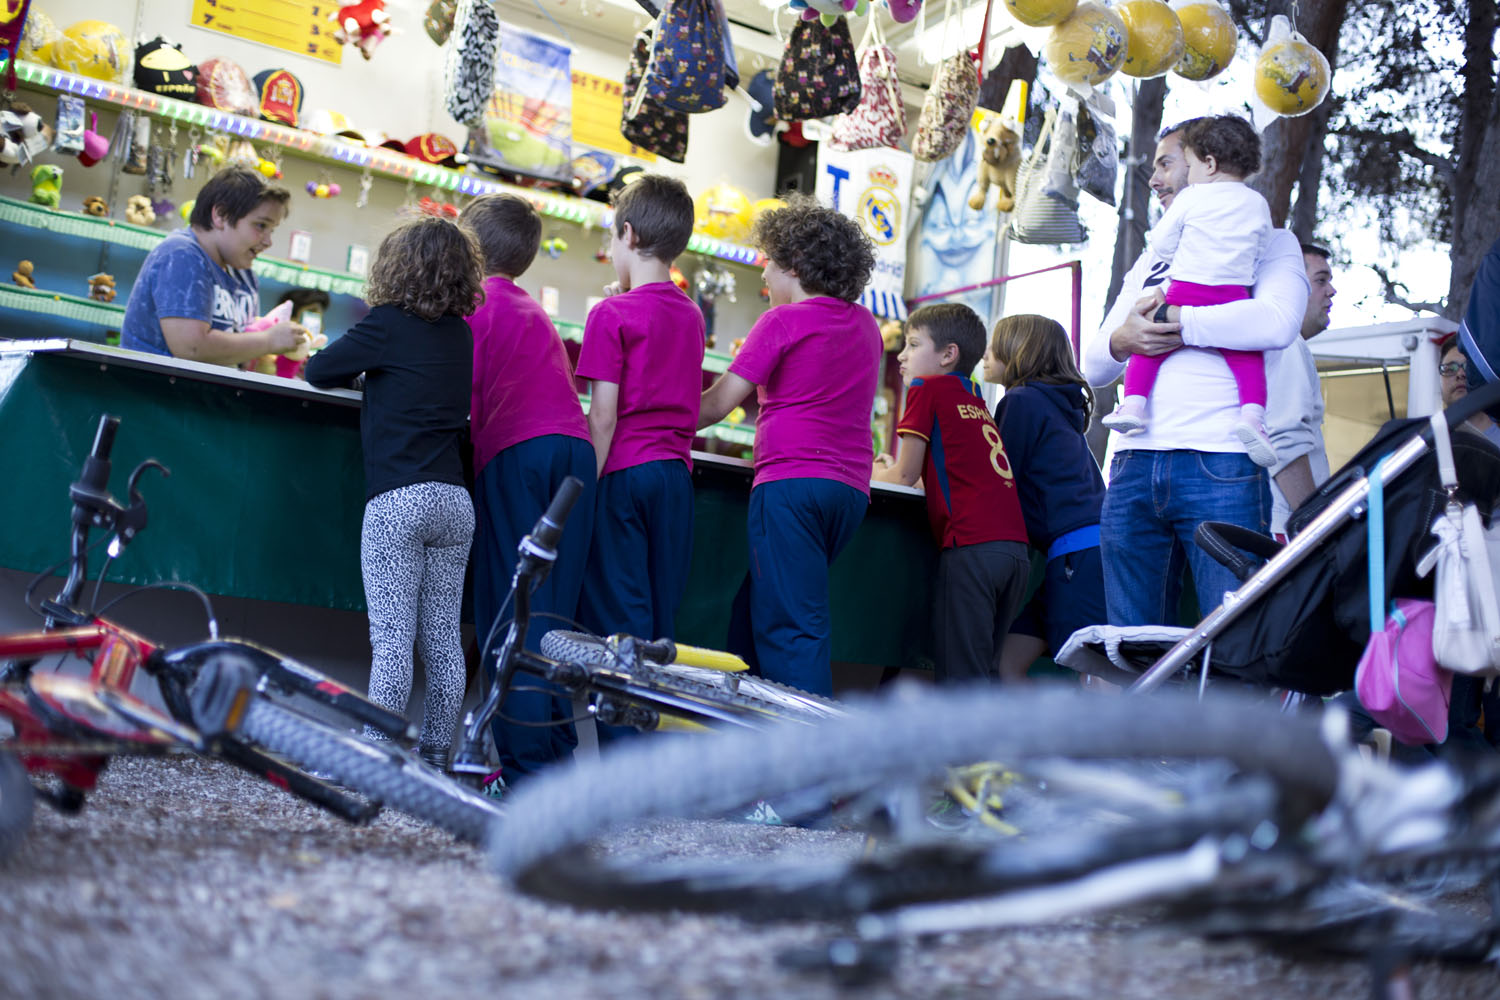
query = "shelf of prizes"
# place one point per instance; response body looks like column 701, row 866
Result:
column 245, row 448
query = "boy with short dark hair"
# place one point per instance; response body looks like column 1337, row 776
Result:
column 949, row 439
column 195, row 293
column 643, row 353
column 529, row 434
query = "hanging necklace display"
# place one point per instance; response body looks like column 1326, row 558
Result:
column 190, row 155
column 365, row 180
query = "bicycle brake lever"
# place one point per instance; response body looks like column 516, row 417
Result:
column 132, row 520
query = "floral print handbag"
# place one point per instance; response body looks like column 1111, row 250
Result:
column 819, row 75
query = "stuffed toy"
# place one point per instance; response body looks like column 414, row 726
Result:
column 138, row 210
column 892, row 334
column 22, row 274
column 46, row 185
column 997, row 166
column 95, row 205
column 364, row 25
column 292, row 363
column 102, row 287
column 23, row 133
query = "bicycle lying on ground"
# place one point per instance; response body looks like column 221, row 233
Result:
column 226, row 698
column 1237, row 818
column 624, row 680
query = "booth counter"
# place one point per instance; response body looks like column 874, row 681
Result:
column 267, row 494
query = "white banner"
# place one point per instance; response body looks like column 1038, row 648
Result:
column 873, row 187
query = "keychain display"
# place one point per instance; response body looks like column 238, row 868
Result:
column 554, row 246
column 191, row 154
column 366, row 179
column 323, row 187
column 140, row 143
column 70, row 116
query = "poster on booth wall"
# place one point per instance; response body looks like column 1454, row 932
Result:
column 529, row 121
column 596, row 117
column 955, row 245
column 305, row 27
column 873, row 187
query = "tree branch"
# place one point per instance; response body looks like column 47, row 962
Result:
column 1396, row 292
column 1404, row 143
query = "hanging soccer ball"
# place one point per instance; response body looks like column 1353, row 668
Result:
column 723, row 213
column 93, row 48
column 1209, row 39
column 763, row 206
column 1088, row 47
column 1291, row 75
column 1040, row 13
column 1154, row 42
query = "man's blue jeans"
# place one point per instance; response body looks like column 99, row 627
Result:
column 1155, row 501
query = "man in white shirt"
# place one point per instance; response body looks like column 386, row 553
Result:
column 1188, row 466
column 1294, row 415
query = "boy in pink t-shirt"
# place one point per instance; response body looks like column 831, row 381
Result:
column 643, row 354
column 813, row 359
column 529, row 434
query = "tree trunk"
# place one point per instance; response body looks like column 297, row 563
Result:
column 1304, row 220
column 1287, row 140
column 1476, row 211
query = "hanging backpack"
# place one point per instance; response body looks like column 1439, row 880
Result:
column 469, row 69
column 647, row 123
column 880, row 118
column 951, row 98
column 692, row 60
column 1039, row 217
column 819, row 75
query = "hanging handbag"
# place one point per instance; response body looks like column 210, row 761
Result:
column 1398, row 680
column 692, row 61
column 818, row 75
column 469, row 66
column 1466, row 634
column 948, row 109
column 1098, row 158
column 880, row 119
column 651, row 126
column 1038, row 217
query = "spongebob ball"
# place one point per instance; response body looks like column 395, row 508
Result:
column 1291, row 78
column 723, row 213
column 1040, row 13
column 1209, row 40
column 1153, row 37
column 1087, row 48
column 93, row 48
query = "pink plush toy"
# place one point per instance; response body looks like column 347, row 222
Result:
column 290, row 364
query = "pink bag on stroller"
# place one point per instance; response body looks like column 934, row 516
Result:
column 1399, row 682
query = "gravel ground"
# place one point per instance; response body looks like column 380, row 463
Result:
column 186, row 878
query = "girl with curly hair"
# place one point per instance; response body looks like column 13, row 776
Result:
column 416, row 353
column 813, row 359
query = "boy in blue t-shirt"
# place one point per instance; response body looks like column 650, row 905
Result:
column 196, row 293
column 949, row 439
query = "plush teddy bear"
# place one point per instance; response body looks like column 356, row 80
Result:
column 138, row 210
column 998, row 162
column 22, row 274
column 364, row 24
column 46, row 185
column 102, row 287
column 95, row 205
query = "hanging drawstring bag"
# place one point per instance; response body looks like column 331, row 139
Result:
column 818, row 75
column 951, row 98
column 880, row 119
column 643, row 121
column 692, row 61
column 469, row 68
column 1038, row 217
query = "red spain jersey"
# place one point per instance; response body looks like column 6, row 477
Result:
column 971, row 492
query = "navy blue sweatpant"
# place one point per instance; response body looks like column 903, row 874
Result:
column 796, row 528
column 510, row 493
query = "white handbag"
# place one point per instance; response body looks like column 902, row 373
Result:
column 1466, row 631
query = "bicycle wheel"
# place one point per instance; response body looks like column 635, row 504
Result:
column 1278, row 769
column 17, row 801
column 751, row 694
column 386, row 775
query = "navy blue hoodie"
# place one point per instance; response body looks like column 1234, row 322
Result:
column 1042, row 428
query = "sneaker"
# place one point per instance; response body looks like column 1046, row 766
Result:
column 1129, row 417
column 1252, row 434
column 493, row 786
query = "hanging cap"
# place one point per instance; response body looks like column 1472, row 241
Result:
column 280, row 96
column 430, row 147
column 325, row 122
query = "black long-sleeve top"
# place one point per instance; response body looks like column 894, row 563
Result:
column 416, row 398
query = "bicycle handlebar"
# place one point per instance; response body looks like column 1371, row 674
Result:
column 549, row 528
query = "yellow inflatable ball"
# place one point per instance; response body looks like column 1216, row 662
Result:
column 723, row 213
column 37, row 36
column 93, row 48
column 1153, row 38
column 1291, row 78
column 1209, row 39
column 1040, row 13
column 1087, row 48
column 763, row 206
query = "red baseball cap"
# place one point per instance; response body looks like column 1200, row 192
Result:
column 430, row 147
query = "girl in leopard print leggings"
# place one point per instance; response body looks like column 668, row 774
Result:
column 417, row 355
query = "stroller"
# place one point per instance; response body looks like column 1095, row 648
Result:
column 1300, row 618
